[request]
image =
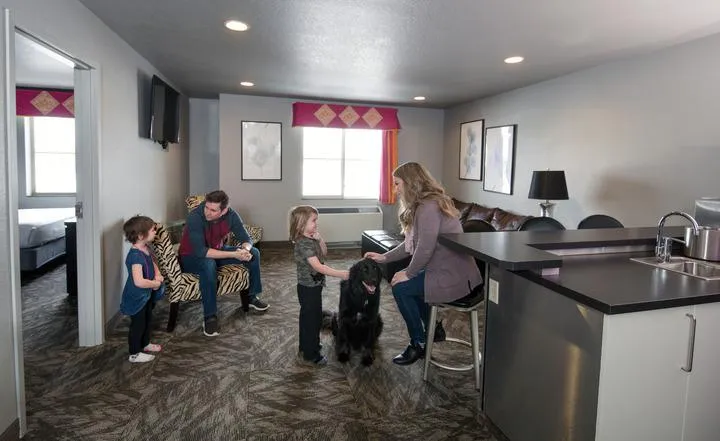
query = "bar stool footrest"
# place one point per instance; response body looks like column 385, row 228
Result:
column 460, row 368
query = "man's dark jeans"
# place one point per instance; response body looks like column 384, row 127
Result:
column 206, row 270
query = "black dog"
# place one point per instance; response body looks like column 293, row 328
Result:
column 358, row 323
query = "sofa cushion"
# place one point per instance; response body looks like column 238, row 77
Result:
column 463, row 208
column 506, row 220
column 481, row 212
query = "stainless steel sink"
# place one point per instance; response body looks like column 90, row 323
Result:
column 684, row 265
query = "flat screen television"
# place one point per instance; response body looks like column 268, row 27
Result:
column 164, row 113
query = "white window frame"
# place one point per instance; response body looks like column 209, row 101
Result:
column 342, row 175
column 30, row 185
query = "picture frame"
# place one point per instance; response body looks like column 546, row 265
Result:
column 471, row 150
column 499, row 158
column 261, row 145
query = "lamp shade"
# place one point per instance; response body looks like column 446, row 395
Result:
column 548, row 185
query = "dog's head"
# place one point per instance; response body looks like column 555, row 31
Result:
column 367, row 273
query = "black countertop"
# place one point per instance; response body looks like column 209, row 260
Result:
column 610, row 283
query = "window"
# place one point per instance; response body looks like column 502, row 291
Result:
column 50, row 150
column 341, row 163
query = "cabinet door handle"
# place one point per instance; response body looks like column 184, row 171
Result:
column 691, row 344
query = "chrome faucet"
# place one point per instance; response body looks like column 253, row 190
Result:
column 663, row 244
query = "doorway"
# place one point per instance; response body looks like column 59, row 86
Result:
column 87, row 120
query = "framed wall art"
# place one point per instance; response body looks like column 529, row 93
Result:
column 471, row 150
column 499, row 159
column 261, row 144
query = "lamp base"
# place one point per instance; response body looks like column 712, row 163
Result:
column 546, row 208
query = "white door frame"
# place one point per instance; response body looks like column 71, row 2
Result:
column 91, row 330
column 87, row 148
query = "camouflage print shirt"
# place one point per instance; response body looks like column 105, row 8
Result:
column 305, row 248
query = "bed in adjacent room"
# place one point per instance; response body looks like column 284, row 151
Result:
column 42, row 235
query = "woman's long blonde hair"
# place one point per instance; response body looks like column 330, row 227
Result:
column 299, row 217
column 418, row 186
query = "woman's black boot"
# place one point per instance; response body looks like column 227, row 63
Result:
column 410, row 355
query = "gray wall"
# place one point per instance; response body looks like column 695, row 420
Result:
column 266, row 203
column 136, row 175
column 25, row 201
column 205, row 146
column 637, row 138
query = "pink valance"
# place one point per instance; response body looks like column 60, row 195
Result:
column 344, row 116
column 44, row 102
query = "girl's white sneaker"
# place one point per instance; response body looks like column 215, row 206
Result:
column 141, row 357
column 152, row 347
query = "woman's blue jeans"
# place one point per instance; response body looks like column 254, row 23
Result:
column 410, row 298
column 206, row 269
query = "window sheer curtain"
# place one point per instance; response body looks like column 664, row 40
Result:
column 357, row 117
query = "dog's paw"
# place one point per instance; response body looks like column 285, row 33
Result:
column 343, row 357
column 367, row 360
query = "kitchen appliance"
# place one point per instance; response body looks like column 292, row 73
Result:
column 705, row 245
column 707, row 211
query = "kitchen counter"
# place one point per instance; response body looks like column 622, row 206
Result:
column 610, row 283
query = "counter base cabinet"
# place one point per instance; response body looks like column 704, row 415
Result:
column 702, row 416
column 644, row 394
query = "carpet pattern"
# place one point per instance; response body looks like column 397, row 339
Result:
column 247, row 383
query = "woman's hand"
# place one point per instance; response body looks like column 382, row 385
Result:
column 377, row 257
column 399, row 277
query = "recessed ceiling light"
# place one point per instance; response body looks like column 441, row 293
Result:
column 247, row 84
column 235, row 25
column 419, row 98
column 513, row 60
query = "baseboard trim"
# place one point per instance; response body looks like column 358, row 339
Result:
column 12, row 433
column 275, row 244
column 111, row 324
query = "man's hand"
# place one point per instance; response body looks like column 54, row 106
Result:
column 400, row 276
column 242, row 254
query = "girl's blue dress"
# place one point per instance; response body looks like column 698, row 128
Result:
column 134, row 298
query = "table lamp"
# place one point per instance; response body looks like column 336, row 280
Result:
column 547, row 185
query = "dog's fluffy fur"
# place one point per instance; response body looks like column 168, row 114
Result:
column 358, row 324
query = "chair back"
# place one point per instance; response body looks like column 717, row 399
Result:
column 541, row 224
column 477, row 226
column 166, row 254
column 599, row 221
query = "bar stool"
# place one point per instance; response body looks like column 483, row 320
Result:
column 470, row 303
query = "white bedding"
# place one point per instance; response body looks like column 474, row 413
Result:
column 41, row 225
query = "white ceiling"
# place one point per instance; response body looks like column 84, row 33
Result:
column 388, row 51
column 38, row 66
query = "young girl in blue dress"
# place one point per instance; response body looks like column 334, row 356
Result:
column 143, row 287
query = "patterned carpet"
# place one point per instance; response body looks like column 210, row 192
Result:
column 246, row 384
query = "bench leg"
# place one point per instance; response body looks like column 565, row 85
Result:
column 245, row 300
column 172, row 320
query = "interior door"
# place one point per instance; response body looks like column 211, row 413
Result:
column 90, row 308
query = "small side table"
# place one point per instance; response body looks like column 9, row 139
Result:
column 71, row 253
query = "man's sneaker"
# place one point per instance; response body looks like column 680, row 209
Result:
column 141, row 357
column 258, row 305
column 210, row 327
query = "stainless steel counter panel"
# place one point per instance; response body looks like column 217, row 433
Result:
column 542, row 362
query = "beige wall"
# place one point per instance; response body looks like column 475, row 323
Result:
column 637, row 138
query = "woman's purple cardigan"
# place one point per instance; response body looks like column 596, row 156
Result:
column 447, row 273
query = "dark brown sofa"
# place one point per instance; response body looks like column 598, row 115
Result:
column 381, row 241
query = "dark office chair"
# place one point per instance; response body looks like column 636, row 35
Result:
column 599, row 221
column 541, row 224
column 477, row 226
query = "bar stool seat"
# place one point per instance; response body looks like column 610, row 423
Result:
column 471, row 304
